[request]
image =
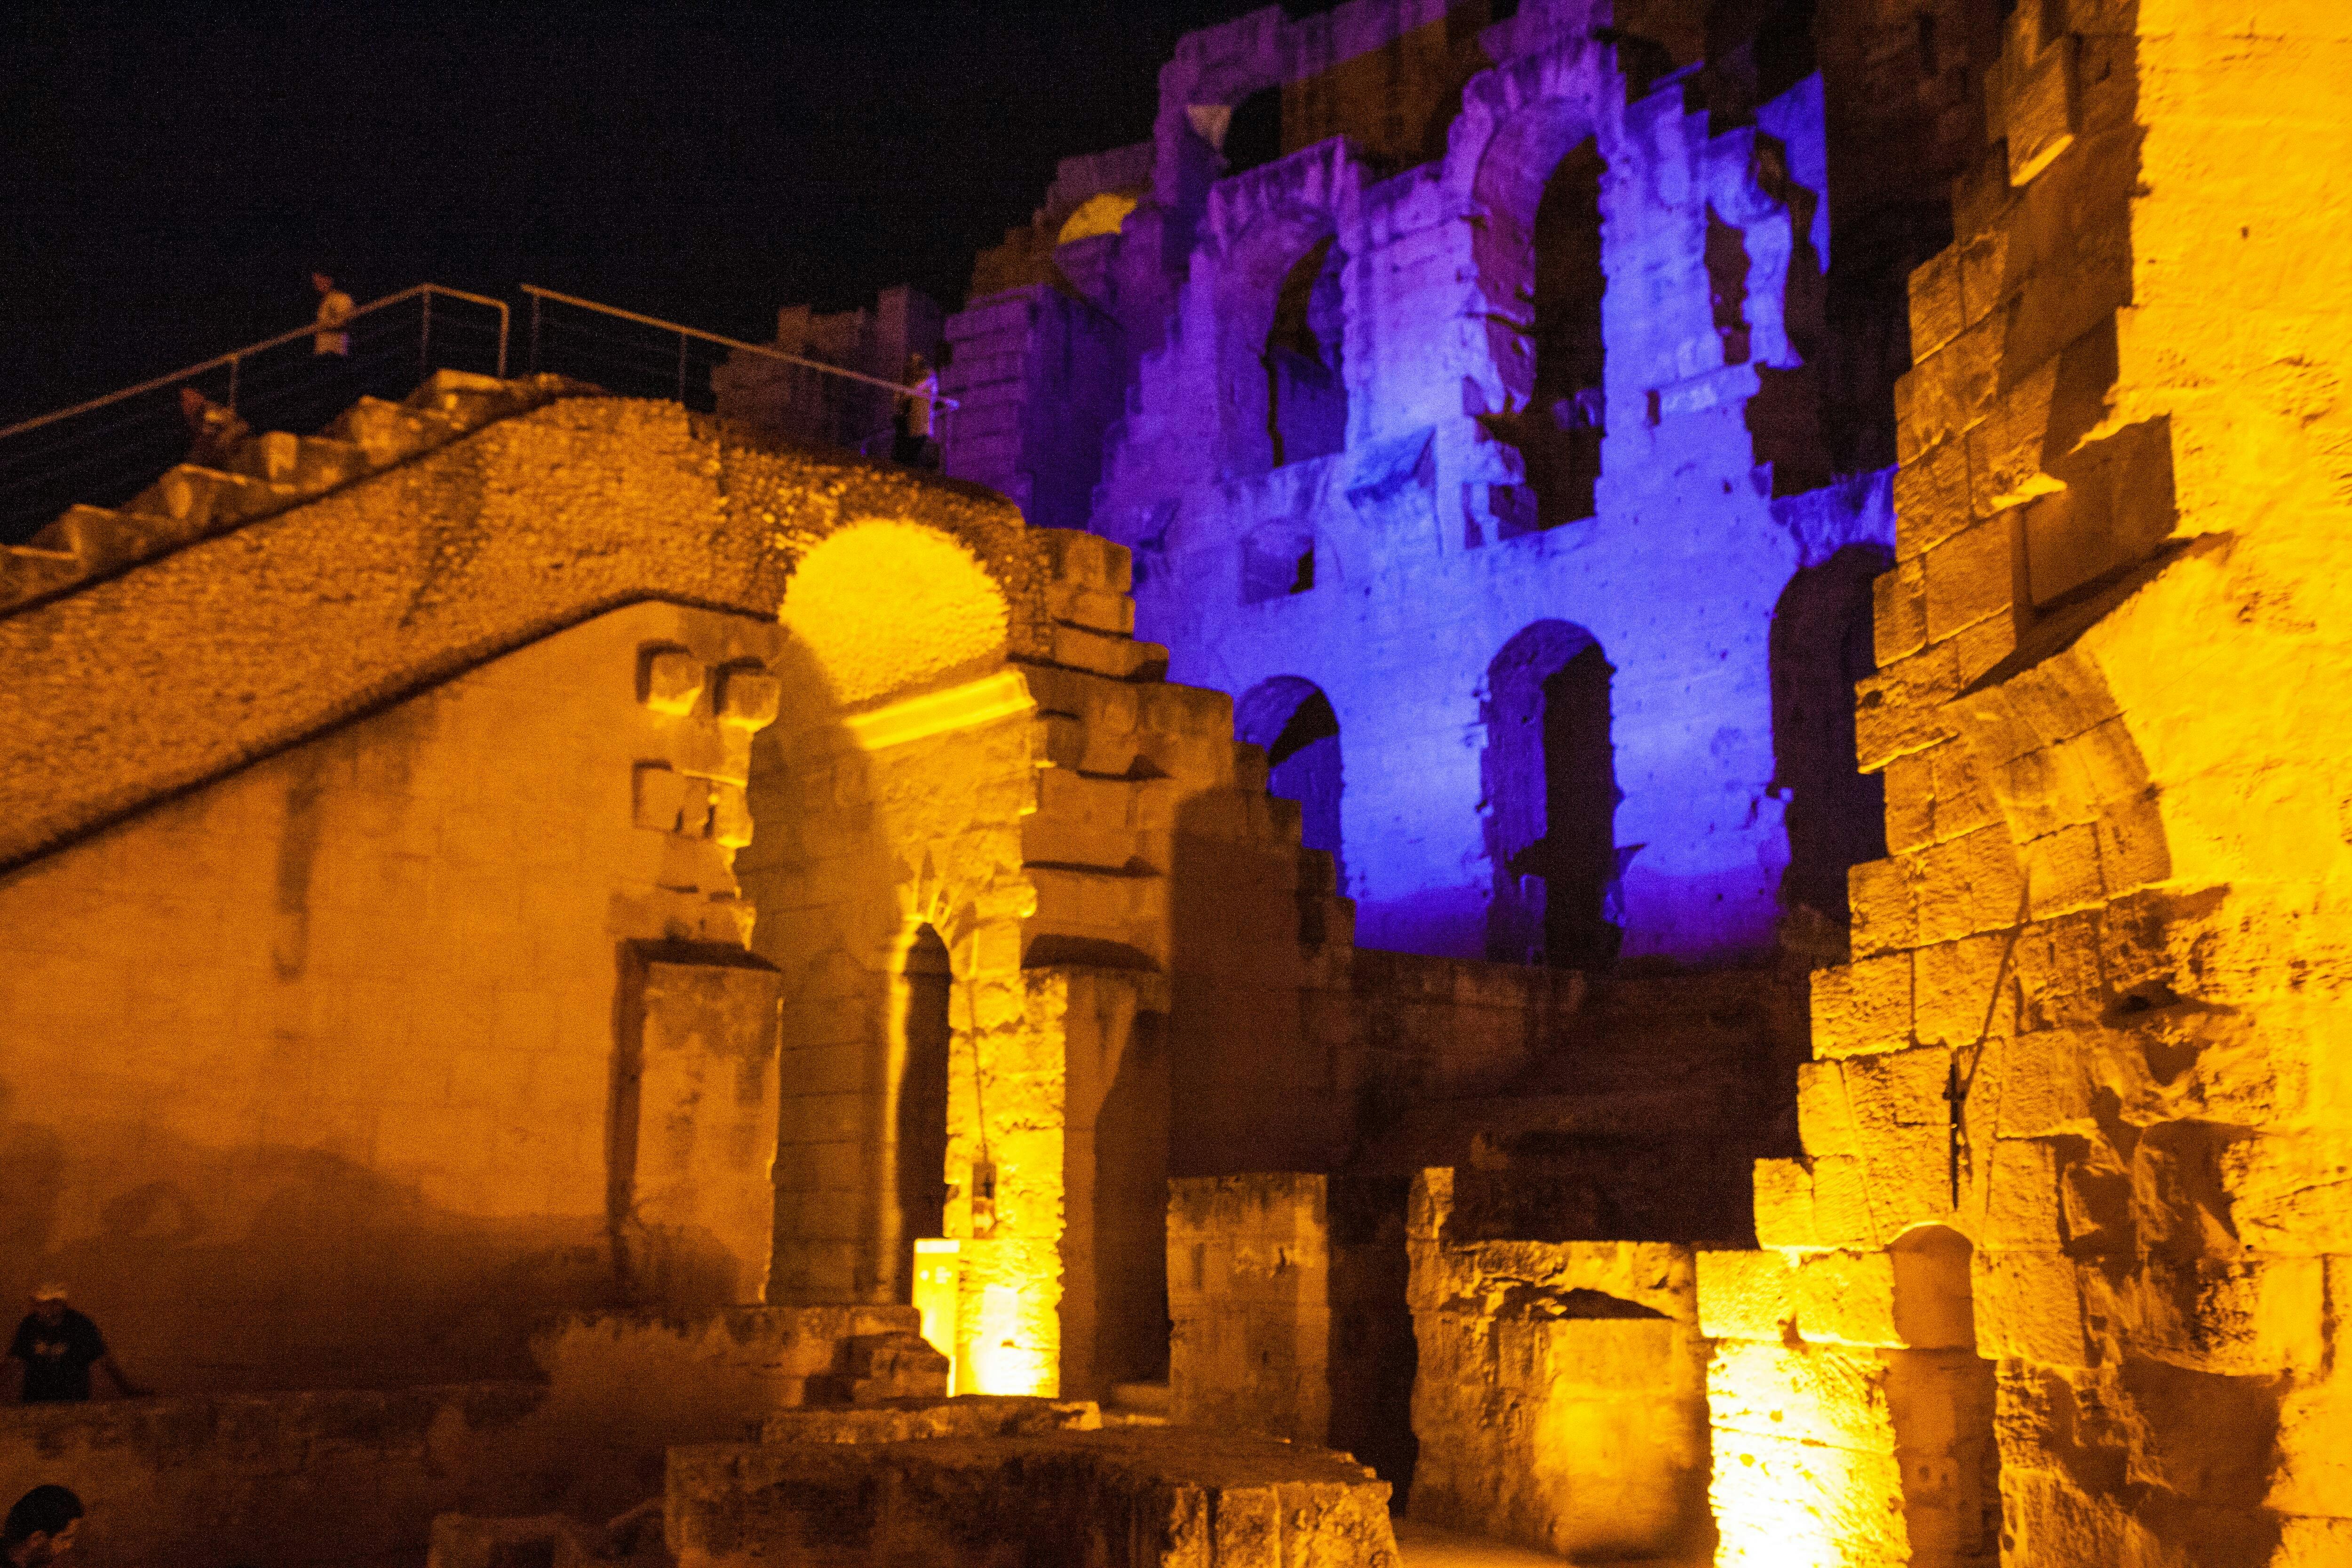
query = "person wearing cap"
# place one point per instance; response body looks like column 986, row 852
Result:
column 54, row 1350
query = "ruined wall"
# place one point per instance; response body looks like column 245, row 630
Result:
column 1559, row 1401
column 316, row 1077
column 2085, row 1026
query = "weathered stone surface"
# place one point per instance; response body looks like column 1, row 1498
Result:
column 1123, row 1499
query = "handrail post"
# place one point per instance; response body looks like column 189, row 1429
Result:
column 424, row 338
column 502, row 340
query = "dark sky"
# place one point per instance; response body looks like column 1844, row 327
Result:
column 169, row 175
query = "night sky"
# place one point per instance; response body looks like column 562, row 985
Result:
column 169, row 176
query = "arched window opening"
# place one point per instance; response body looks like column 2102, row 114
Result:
column 1539, row 263
column 1255, row 136
column 920, row 1178
column 1551, row 778
column 1306, row 398
column 1821, row 648
column 1293, row 721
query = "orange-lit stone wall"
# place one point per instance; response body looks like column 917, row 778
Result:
column 310, row 1074
column 2109, row 933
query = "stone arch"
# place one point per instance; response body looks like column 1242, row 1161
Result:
column 1821, row 651
column 1280, row 302
column 889, row 786
column 1540, row 187
column 1550, row 783
column 1292, row 718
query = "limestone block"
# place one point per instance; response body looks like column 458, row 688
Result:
column 1784, row 1204
column 1931, row 501
column 2029, row 1305
column 1824, row 1297
column 1912, row 803
column 672, row 682
column 1969, row 885
column 1843, row 1210
column 1827, row 1396
column 668, row 801
column 748, row 699
column 2291, row 1192
column 1778, row 1502
column 1862, row 1007
column 2022, row 1205
column 1965, row 993
column 2035, row 104
column 1937, row 314
column 1885, row 898
column 1824, row 1121
column 1899, row 612
column 1971, row 575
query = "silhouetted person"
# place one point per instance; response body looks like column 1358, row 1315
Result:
column 215, row 430
column 913, row 422
column 41, row 1528
column 334, row 310
column 54, row 1350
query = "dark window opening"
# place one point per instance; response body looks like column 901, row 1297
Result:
column 1821, row 646
column 1278, row 561
column 1306, row 398
column 1293, row 720
column 1559, row 434
column 1254, row 137
column 1550, row 780
column 921, row 1129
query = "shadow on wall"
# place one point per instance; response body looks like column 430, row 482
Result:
column 1292, row 720
column 920, row 1114
column 1549, row 782
column 1821, row 648
column 283, row 1268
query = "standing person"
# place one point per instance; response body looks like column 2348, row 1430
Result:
column 334, row 310
column 913, row 446
column 54, row 1350
column 330, row 350
column 41, row 1527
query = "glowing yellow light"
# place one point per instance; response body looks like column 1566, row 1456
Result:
column 1102, row 213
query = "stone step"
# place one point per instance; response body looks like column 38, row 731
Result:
column 199, row 499
column 99, row 539
column 308, row 463
column 28, row 571
column 914, row 1420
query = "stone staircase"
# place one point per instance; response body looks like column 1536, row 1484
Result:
column 268, row 473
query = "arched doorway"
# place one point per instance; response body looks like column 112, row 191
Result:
column 1820, row 647
column 1550, row 807
column 919, row 1121
column 1292, row 718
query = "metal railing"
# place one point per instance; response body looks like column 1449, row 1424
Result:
column 106, row 450
column 646, row 356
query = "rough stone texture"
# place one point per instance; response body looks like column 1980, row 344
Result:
column 906, row 1420
column 2084, row 1031
column 336, row 1036
column 1561, row 1401
column 1486, row 478
column 1102, row 1500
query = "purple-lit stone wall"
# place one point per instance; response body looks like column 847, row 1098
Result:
column 1390, row 574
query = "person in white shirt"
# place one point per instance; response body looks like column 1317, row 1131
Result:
column 334, row 310
column 915, row 414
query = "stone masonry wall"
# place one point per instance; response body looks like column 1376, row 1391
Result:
column 2088, row 1026
column 310, row 1074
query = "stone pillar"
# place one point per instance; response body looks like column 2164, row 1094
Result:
column 1249, row 1288
column 695, row 1126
